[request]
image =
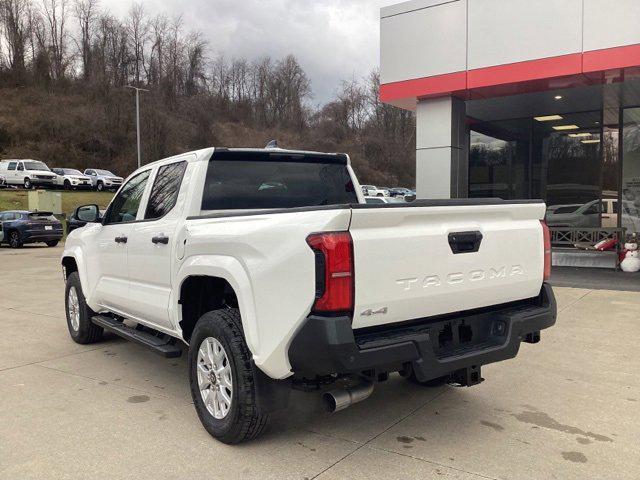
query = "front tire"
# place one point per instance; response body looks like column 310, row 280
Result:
column 27, row 184
column 223, row 385
column 100, row 186
column 81, row 328
column 52, row 243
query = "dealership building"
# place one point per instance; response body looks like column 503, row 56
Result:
column 522, row 99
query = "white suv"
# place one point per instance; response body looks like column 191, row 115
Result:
column 28, row 173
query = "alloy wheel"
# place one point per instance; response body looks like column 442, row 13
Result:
column 74, row 309
column 215, row 379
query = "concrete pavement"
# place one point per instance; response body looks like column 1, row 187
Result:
column 567, row 408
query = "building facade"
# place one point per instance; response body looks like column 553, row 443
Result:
column 522, row 99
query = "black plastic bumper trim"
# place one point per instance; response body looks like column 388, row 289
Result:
column 326, row 345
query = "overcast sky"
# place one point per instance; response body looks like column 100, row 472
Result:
column 334, row 40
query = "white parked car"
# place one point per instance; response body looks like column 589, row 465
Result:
column 70, row 178
column 274, row 274
column 373, row 191
column 27, row 173
column 103, row 179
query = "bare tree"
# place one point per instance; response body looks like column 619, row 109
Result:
column 86, row 12
column 13, row 18
column 138, row 32
column 55, row 15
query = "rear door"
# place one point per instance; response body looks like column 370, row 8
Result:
column 420, row 261
column 152, row 244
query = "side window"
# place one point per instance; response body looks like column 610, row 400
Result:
column 166, row 187
column 124, row 207
column 20, row 167
column 12, row 166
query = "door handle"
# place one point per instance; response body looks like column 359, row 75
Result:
column 121, row 239
column 160, row 239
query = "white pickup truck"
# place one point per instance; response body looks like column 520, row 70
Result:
column 266, row 265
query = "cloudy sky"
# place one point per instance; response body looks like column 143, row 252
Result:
column 332, row 39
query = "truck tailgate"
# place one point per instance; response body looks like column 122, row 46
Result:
column 406, row 268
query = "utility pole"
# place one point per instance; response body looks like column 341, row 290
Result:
column 138, row 90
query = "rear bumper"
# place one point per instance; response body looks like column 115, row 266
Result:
column 434, row 347
column 42, row 236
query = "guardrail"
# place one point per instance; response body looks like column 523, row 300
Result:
column 588, row 236
column 563, row 236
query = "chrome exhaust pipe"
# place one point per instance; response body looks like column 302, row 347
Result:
column 336, row 400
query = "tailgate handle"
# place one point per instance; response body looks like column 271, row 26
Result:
column 465, row 242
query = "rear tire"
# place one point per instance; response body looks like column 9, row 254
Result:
column 52, row 243
column 242, row 420
column 81, row 328
column 15, row 240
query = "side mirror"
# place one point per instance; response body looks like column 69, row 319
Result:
column 88, row 213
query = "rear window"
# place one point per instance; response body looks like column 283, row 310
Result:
column 264, row 183
column 48, row 216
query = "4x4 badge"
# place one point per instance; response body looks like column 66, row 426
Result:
column 380, row 311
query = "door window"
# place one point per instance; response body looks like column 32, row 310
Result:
column 20, row 167
column 124, row 208
column 166, row 187
column 12, row 166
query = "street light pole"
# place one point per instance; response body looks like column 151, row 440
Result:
column 138, row 90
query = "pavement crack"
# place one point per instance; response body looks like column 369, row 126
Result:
column 575, row 302
column 431, row 462
column 422, row 405
column 38, row 362
column 117, row 385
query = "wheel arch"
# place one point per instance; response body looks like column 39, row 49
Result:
column 73, row 261
column 225, row 281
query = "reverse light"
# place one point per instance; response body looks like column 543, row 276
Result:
column 334, row 272
column 547, row 250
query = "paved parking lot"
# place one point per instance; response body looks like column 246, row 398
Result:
column 568, row 408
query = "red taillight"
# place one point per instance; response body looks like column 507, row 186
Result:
column 334, row 271
column 547, row 250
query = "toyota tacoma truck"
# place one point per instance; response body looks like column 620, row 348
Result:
column 269, row 269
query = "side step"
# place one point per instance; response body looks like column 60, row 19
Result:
column 161, row 345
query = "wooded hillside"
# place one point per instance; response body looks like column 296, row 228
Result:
column 65, row 65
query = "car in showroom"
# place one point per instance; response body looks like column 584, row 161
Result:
column 70, row 178
column 271, row 271
column 103, row 179
column 19, row 227
column 27, row 173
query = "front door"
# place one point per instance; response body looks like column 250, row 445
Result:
column 107, row 251
column 152, row 247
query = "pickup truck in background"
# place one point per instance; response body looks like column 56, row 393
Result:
column 266, row 264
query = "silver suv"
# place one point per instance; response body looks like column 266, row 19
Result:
column 103, row 179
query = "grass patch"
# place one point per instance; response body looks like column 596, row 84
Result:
column 11, row 199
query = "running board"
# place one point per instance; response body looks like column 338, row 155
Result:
column 160, row 345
